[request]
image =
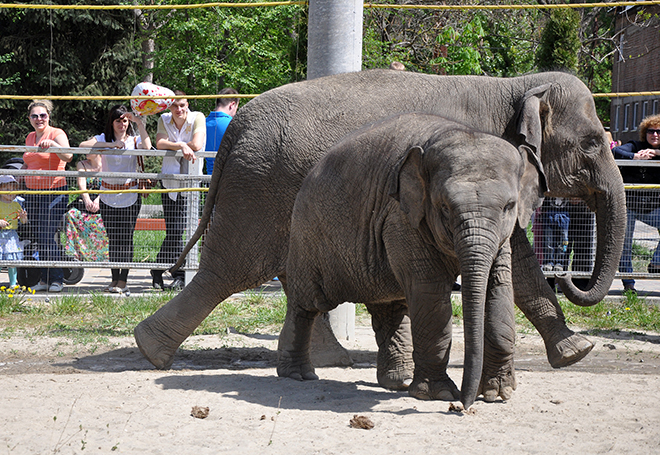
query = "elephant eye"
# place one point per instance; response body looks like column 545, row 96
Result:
column 444, row 210
column 510, row 206
column 591, row 145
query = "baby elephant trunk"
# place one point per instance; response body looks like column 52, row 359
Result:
column 476, row 251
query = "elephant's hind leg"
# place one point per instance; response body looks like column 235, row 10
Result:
column 293, row 349
column 393, row 336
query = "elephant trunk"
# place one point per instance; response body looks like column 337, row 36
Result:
column 611, row 226
column 476, row 250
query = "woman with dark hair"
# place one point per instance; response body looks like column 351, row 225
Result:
column 46, row 210
column 641, row 205
column 119, row 210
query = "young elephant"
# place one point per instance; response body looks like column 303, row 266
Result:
column 398, row 210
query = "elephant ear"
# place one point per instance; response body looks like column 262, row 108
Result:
column 532, row 186
column 407, row 185
column 533, row 117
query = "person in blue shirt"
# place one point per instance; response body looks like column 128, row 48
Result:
column 217, row 122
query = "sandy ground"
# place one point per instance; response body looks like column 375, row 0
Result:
column 57, row 397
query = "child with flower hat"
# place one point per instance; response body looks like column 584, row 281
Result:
column 11, row 212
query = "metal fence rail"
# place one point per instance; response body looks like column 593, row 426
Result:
column 149, row 229
column 563, row 232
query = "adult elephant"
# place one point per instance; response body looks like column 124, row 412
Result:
column 397, row 210
column 276, row 138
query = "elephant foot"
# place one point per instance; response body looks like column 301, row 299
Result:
column 294, row 367
column 500, row 385
column 443, row 389
column 395, row 370
column 152, row 347
column 567, row 348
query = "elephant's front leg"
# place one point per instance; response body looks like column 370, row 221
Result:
column 498, row 377
column 539, row 304
column 392, row 326
column 431, row 317
column 293, row 359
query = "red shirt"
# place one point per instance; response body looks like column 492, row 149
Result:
column 44, row 161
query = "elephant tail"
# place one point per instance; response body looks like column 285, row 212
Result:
column 220, row 159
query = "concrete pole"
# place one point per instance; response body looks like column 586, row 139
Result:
column 335, row 46
column 334, row 37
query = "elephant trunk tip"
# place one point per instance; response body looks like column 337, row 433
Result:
column 588, row 297
column 468, row 398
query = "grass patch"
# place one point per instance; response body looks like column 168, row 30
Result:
column 631, row 313
column 95, row 318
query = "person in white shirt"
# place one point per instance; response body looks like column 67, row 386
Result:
column 184, row 130
column 119, row 211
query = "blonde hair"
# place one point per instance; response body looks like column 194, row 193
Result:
column 652, row 121
column 46, row 104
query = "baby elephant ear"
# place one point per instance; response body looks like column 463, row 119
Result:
column 532, row 186
column 408, row 185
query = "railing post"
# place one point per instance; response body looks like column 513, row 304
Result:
column 192, row 215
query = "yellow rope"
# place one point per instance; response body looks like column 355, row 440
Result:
column 638, row 186
column 192, row 97
column 366, row 5
column 165, row 190
column 520, row 7
column 145, row 7
column 116, row 98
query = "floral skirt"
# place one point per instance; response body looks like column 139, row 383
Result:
column 11, row 247
column 86, row 238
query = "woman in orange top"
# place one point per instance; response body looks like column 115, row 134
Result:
column 47, row 209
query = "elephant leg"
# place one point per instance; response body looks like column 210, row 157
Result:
column 498, row 376
column 539, row 303
column 293, row 349
column 392, row 326
column 228, row 264
column 431, row 318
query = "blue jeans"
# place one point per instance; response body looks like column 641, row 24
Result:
column 653, row 220
column 46, row 214
column 555, row 237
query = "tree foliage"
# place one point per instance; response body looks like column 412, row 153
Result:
column 65, row 52
column 560, row 42
column 200, row 51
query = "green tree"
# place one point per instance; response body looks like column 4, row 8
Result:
column 253, row 50
column 560, row 41
column 65, row 52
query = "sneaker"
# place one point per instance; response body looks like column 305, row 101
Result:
column 176, row 285
column 56, row 287
column 630, row 288
column 547, row 267
column 654, row 268
column 39, row 287
column 558, row 268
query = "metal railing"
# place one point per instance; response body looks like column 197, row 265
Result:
column 565, row 231
column 193, row 185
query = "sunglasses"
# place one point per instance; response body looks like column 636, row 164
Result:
column 43, row 116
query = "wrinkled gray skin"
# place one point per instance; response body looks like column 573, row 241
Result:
column 275, row 139
column 397, row 211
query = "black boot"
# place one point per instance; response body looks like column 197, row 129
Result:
column 157, row 279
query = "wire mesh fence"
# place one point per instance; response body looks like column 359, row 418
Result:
column 122, row 225
column 133, row 228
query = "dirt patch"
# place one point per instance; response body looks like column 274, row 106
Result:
column 60, row 397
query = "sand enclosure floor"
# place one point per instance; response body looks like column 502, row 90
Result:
column 57, row 397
